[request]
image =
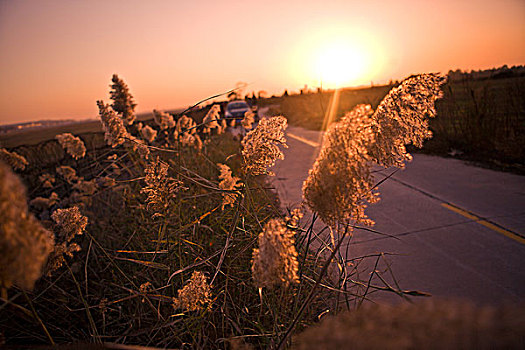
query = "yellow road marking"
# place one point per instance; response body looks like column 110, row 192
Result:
column 485, row 223
column 302, row 139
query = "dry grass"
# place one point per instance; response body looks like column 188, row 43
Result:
column 156, row 219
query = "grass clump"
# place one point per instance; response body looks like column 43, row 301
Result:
column 155, row 228
column 166, row 234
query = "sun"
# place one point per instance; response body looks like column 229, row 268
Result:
column 336, row 56
column 339, row 65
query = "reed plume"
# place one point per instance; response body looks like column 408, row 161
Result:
column 41, row 203
column 47, row 180
column 115, row 133
column 275, row 260
column 228, row 183
column 163, row 120
column 260, row 146
column 211, row 118
column 186, row 125
column 160, row 189
column 148, row 133
column 343, row 155
column 248, row 120
column 402, row 118
column 195, row 294
column 69, row 223
column 24, row 244
column 67, row 173
column 13, row 159
column 363, row 138
column 74, row 146
column 123, row 102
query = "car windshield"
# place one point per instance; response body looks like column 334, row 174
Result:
column 237, row 105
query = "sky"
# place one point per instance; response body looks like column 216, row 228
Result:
column 57, row 57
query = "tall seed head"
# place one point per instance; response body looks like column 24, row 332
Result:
column 185, row 125
column 402, row 118
column 13, row 159
column 24, row 243
column 260, row 146
column 195, row 294
column 148, row 133
column 74, row 146
column 228, row 183
column 275, row 261
column 340, row 183
column 163, row 119
column 123, row 102
column 115, row 131
column 69, row 224
column 248, row 120
column 67, row 173
column 160, row 188
column 211, row 118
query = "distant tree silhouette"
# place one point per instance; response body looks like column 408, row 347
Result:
column 262, row 94
column 304, row 90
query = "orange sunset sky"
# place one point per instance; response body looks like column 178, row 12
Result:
column 57, row 57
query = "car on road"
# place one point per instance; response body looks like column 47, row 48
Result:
column 236, row 109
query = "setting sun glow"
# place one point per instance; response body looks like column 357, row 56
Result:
column 340, row 65
column 338, row 56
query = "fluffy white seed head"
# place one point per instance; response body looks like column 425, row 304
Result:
column 228, row 183
column 148, row 133
column 74, row 146
column 340, row 182
column 13, row 159
column 115, row 133
column 163, row 119
column 260, row 146
column 248, row 120
column 24, row 243
column 275, row 260
column 402, row 118
column 195, row 295
column 211, row 119
column 123, row 102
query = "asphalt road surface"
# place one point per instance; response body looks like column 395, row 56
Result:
column 460, row 229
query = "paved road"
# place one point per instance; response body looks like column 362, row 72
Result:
column 460, row 227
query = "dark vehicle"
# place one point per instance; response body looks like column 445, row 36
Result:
column 236, row 109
